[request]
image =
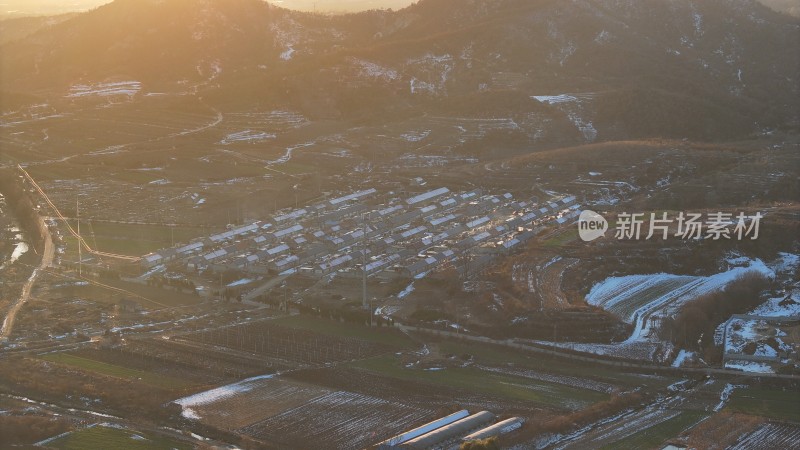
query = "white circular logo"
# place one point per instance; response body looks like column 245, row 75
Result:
column 591, row 225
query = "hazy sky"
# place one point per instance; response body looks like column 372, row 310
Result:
column 40, row 7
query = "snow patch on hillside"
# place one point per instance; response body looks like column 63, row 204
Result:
column 573, row 105
column 370, row 69
column 415, row 136
column 287, row 55
column 430, row 73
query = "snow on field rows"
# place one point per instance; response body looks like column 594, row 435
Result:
column 619, row 429
column 419, row 160
column 217, row 394
column 247, row 136
column 636, row 298
column 280, row 120
column 641, row 350
column 342, row 420
column 770, row 436
column 129, row 88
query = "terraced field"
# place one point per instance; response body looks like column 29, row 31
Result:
column 637, row 299
column 626, row 295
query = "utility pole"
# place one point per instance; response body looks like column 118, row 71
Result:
column 364, row 264
column 80, row 240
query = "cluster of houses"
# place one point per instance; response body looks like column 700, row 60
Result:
column 384, row 235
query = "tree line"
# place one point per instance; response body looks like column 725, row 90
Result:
column 693, row 328
column 22, row 207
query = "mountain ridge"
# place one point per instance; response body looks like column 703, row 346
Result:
column 728, row 64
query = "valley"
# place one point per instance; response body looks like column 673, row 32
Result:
column 325, row 231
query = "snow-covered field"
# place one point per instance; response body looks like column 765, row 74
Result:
column 129, row 88
column 643, row 299
column 749, row 366
column 614, row 429
column 218, row 394
column 641, row 350
column 415, row 160
column 247, row 136
column 779, row 306
column 770, row 436
column 274, row 121
column 762, row 339
column 340, row 419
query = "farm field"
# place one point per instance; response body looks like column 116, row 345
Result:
column 623, row 427
column 328, row 327
column 500, row 357
column 635, row 298
column 774, row 403
column 114, row 438
column 770, row 436
column 295, row 344
column 634, row 292
column 169, row 368
column 132, row 239
column 216, row 363
column 153, row 379
column 656, row 435
column 341, row 420
column 111, row 291
column 498, row 385
column 240, row 404
column 270, row 408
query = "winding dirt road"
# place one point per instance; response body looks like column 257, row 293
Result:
column 47, row 261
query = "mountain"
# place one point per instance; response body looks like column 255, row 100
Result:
column 791, row 7
column 21, row 27
column 614, row 68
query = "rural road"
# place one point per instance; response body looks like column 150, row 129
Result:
column 47, row 260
